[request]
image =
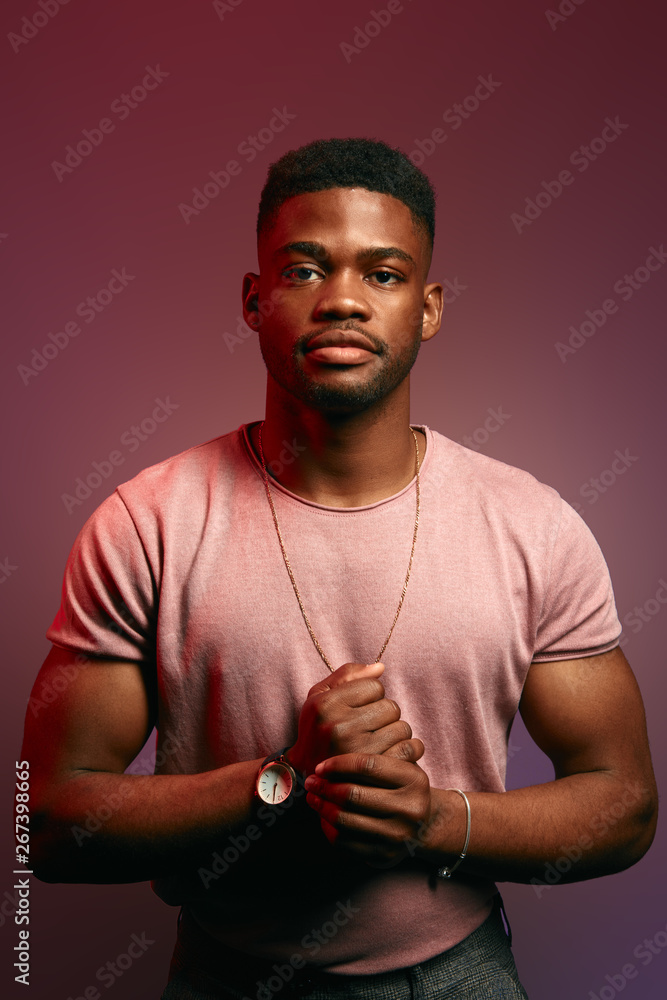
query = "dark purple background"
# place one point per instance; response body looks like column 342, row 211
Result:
column 163, row 336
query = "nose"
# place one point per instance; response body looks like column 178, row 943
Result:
column 343, row 296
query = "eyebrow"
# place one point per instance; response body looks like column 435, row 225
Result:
column 319, row 251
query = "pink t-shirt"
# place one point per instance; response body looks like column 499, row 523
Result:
column 181, row 568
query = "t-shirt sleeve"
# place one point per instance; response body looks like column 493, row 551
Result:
column 109, row 603
column 579, row 613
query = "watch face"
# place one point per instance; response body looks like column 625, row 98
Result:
column 275, row 783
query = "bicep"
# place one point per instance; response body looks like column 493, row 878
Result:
column 587, row 715
column 91, row 715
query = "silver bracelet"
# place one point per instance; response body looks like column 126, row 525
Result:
column 447, row 872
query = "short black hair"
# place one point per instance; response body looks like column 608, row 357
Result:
column 332, row 163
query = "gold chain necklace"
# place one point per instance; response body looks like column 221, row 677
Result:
column 289, row 568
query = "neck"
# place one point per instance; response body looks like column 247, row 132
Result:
column 339, row 460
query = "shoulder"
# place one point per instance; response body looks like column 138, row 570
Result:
column 173, row 499
column 188, row 478
column 492, row 485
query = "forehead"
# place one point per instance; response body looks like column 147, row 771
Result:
column 344, row 217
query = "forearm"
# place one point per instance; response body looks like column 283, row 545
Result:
column 580, row 826
column 104, row 827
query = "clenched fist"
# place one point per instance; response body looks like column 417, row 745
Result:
column 347, row 712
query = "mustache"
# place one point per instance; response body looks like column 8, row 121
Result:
column 379, row 345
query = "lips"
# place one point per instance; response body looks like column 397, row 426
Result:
column 340, row 338
column 340, row 347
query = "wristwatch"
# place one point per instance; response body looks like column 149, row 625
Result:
column 276, row 780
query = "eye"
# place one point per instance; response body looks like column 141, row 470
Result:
column 387, row 277
column 300, row 272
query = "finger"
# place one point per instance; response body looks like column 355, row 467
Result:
column 389, row 804
column 371, row 770
column 381, row 738
column 346, row 673
column 369, row 716
column 355, row 828
column 367, row 850
column 330, row 800
column 329, row 831
column 374, row 852
column 411, row 750
column 357, row 693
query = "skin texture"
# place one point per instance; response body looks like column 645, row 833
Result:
column 322, row 270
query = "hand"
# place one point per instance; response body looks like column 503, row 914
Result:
column 376, row 806
column 347, row 713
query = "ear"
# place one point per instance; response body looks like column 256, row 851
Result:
column 433, row 305
column 250, row 300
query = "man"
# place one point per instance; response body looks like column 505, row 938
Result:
column 206, row 596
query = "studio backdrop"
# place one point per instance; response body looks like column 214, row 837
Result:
column 136, row 139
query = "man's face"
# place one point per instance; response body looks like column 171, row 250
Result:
column 346, row 266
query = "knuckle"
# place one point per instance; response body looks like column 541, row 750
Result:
column 355, row 795
column 343, row 820
column 414, row 813
column 374, row 687
column 366, row 763
column 337, row 732
column 401, row 751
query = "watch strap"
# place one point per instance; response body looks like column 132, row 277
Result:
column 276, row 756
